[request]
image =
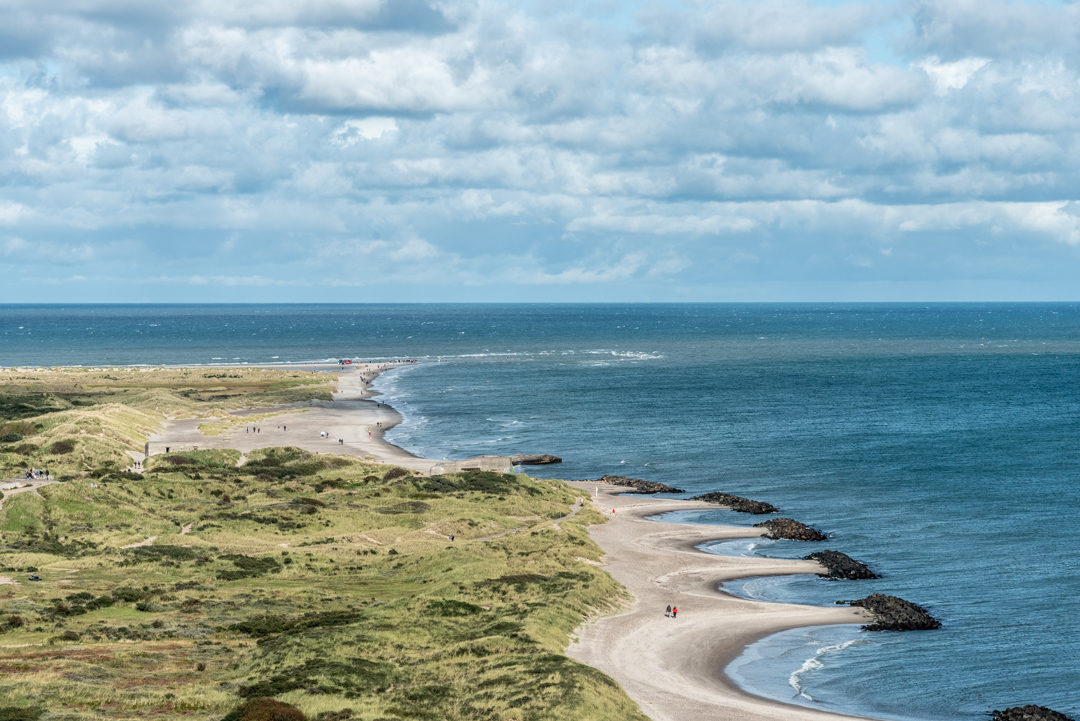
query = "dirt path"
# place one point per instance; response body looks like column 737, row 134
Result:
column 14, row 486
column 145, row 542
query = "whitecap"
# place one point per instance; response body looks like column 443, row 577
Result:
column 814, row 663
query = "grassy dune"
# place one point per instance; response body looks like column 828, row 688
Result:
column 79, row 421
column 323, row 582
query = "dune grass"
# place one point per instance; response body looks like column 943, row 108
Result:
column 327, row 583
column 78, row 422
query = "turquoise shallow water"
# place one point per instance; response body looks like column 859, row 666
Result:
column 937, row 443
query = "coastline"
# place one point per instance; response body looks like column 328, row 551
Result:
column 671, row 676
column 674, row 669
column 351, row 416
column 674, row 672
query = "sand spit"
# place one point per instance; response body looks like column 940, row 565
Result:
column 352, row 423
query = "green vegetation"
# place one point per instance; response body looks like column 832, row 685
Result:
column 295, row 586
column 77, row 422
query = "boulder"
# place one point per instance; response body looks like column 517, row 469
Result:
column 1030, row 712
column 534, row 459
column 895, row 614
column 637, row 484
column 790, row 529
column 840, row 565
column 737, row 503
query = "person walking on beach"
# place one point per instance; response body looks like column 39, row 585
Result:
column 674, row 611
column 668, row 611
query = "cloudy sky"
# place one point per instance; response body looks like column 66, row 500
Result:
column 366, row 150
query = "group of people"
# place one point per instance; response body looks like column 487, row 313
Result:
column 672, row 611
column 38, row 474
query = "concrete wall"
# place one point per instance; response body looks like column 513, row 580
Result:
column 500, row 464
column 154, row 448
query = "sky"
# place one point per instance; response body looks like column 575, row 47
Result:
column 543, row 150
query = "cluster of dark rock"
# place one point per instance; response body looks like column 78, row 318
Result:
column 841, row 565
column 737, row 503
column 889, row 612
column 534, row 459
column 790, row 529
column 1030, row 712
column 895, row 614
column 639, row 485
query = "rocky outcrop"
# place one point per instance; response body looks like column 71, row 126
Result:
column 895, row 614
column 534, row 459
column 639, row 485
column 737, row 503
column 1030, row 712
column 840, row 565
column 790, row 529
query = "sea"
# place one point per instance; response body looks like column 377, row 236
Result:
column 938, row 443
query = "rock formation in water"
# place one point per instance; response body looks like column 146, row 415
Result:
column 737, row 503
column 1030, row 712
column 534, row 459
column 895, row 614
column 841, row 565
column 639, row 485
column 790, row 529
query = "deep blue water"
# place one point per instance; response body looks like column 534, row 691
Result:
column 938, row 443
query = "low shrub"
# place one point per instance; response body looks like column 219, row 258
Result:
column 127, row 594
column 60, row 448
column 265, row 709
column 405, row 507
column 248, row 566
column 157, row 554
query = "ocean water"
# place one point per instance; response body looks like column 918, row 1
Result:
column 937, row 443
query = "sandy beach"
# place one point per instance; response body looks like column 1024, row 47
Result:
column 353, row 416
column 673, row 668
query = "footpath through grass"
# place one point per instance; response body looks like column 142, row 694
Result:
column 326, row 583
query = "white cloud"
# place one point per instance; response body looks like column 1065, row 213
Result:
column 11, row 213
column 353, row 131
column 418, row 142
column 951, row 76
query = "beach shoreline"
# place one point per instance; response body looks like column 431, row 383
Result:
column 350, row 423
column 654, row 560
column 674, row 668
